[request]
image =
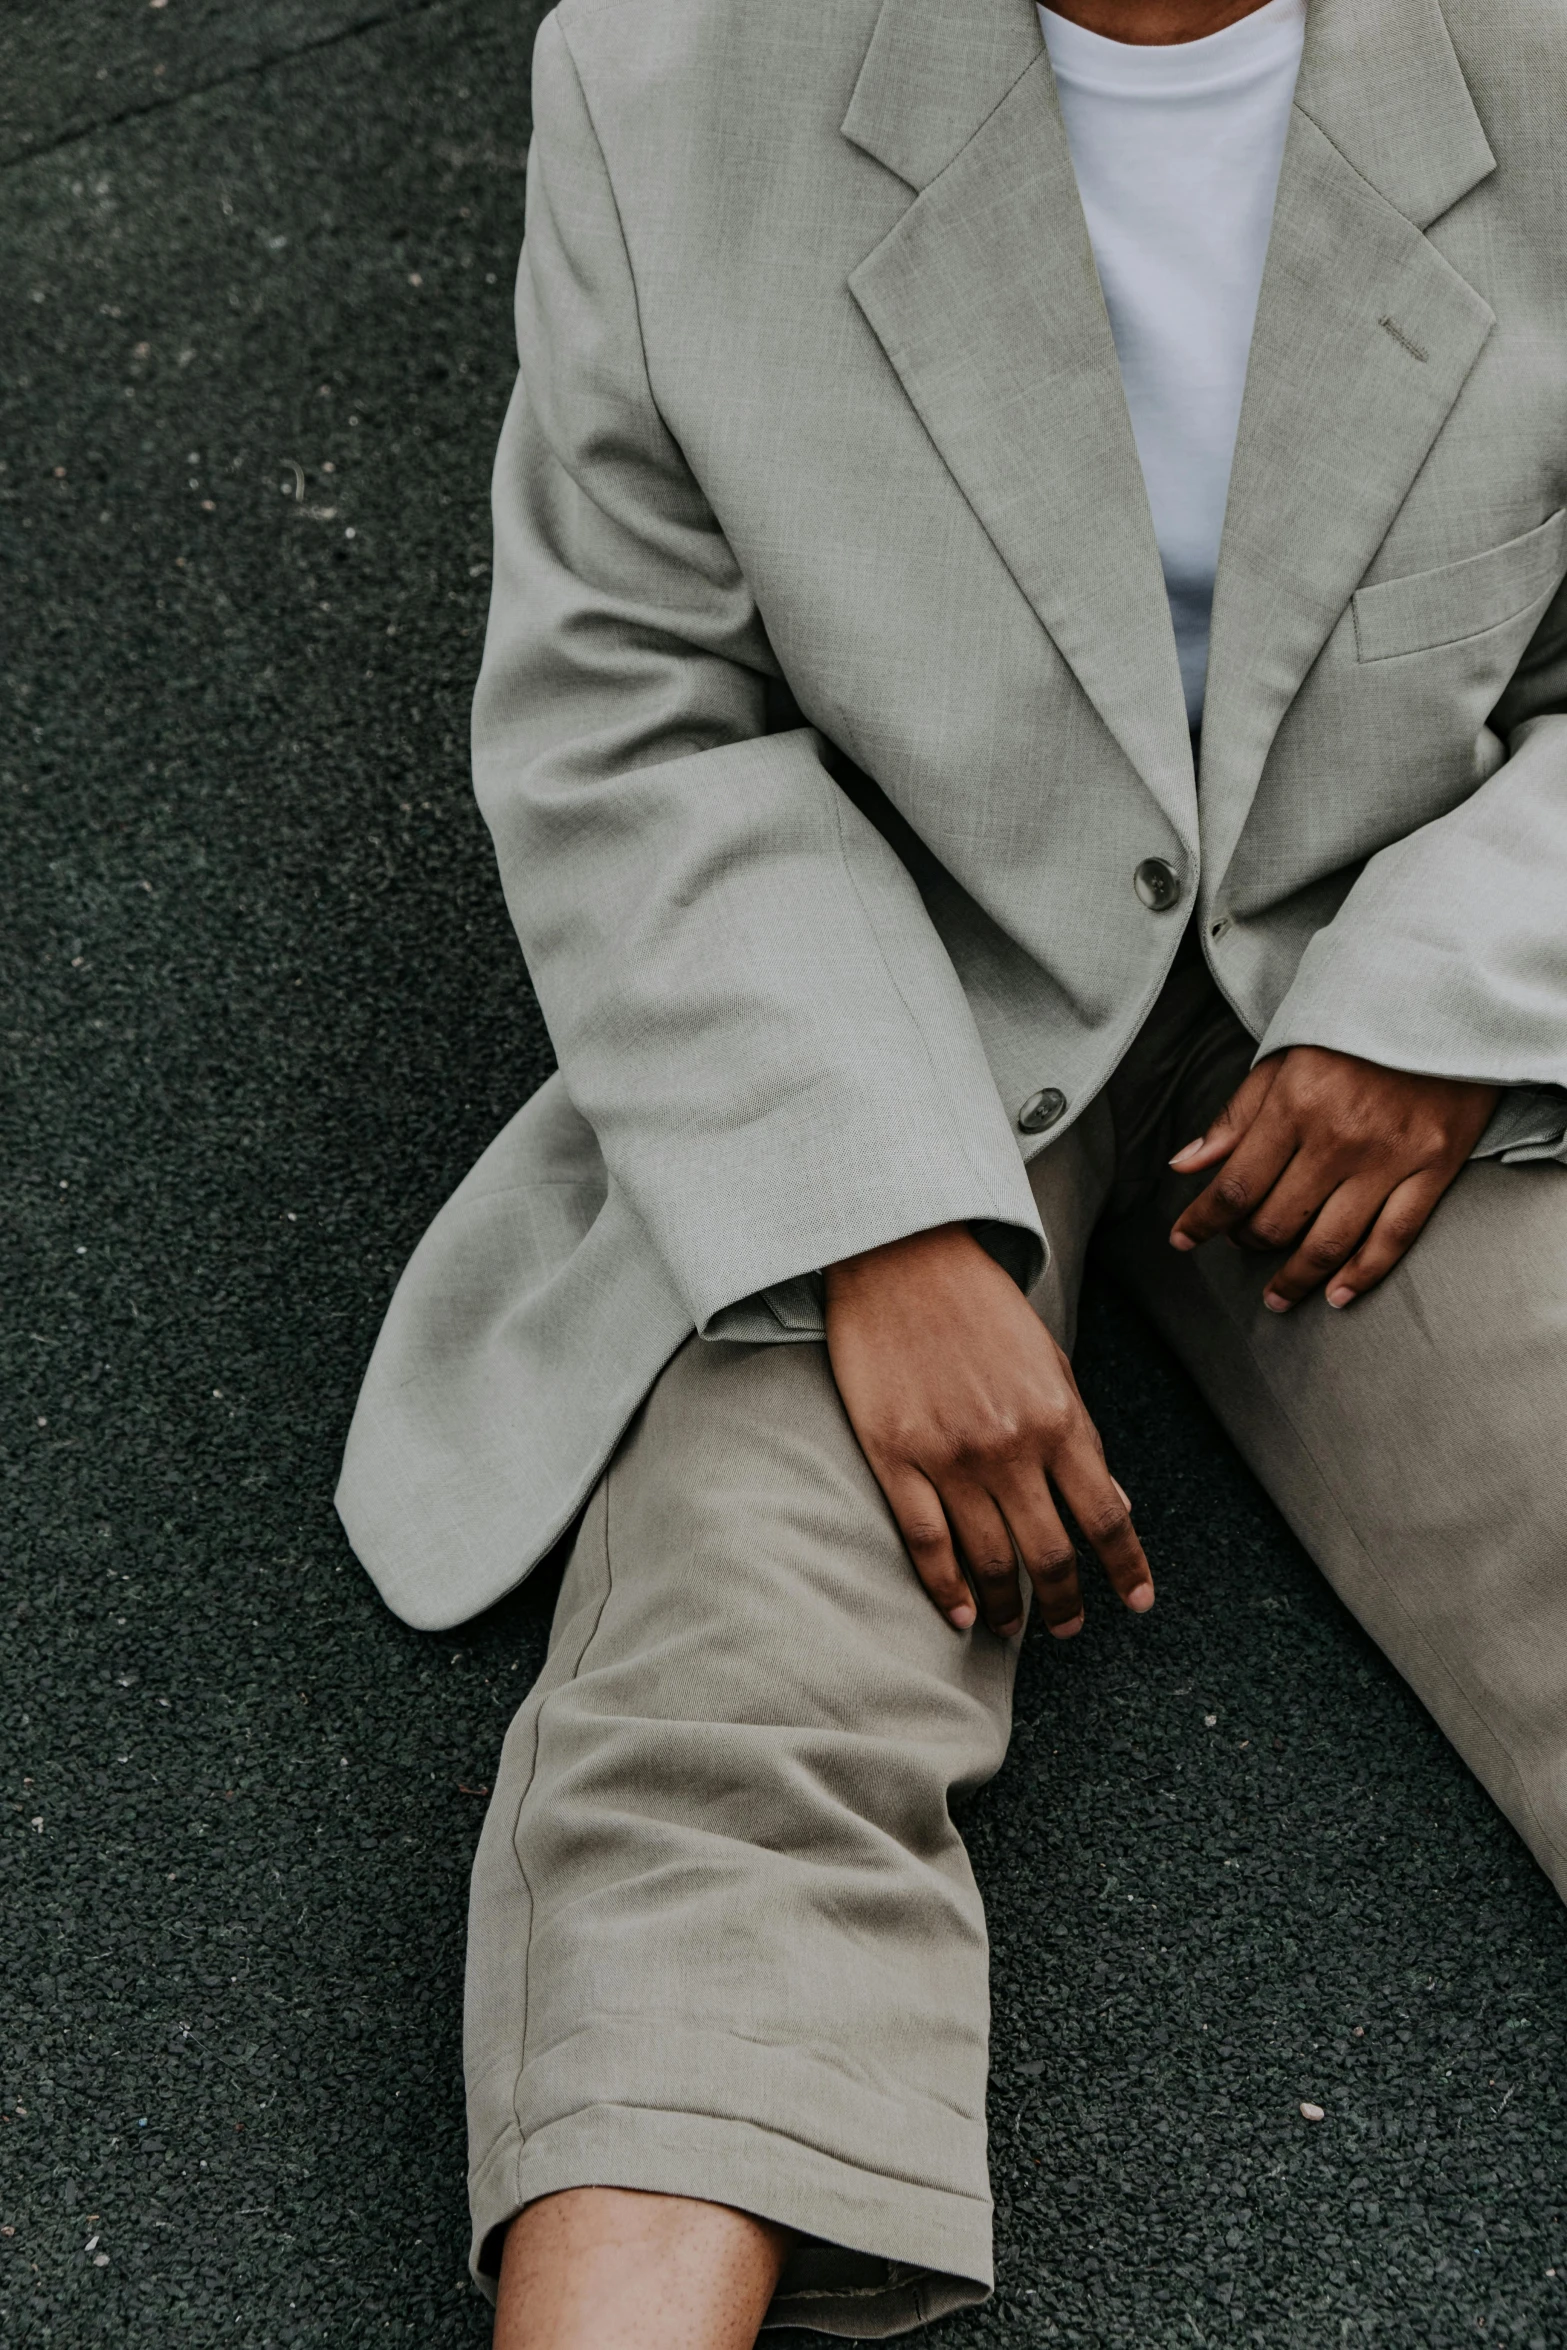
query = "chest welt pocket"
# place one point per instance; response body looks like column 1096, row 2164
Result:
column 1442, row 607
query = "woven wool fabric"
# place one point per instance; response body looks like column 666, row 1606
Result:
column 830, row 709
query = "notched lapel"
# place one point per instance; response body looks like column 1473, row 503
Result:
column 934, row 70
column 987, row 303
column 1364, row 338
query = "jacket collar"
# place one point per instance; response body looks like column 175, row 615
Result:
column 986, row 302
column 1381, row 81
column 934, row 70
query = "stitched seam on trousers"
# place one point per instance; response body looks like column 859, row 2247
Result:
column 1386, row 1585
column 522, row 1802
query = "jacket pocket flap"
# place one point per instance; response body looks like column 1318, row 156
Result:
column 1431, row 608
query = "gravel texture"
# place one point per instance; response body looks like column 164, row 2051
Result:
column 262, row 1009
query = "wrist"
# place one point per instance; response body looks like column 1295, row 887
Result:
column 940, row 1244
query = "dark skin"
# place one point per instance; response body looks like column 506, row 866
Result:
column 968, row 1413
column 1152, row 24
column 1336, row 1160
column 965, row 1406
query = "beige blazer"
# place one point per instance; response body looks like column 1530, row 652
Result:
column 830, row 729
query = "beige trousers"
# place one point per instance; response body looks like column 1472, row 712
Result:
column 724, row 1938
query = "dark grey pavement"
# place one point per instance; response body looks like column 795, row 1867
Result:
column 261, row 1010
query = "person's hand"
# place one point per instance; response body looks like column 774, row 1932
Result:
column 1334, row 1159
column 969, row 1416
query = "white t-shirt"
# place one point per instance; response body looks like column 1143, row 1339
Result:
column 1177, row 153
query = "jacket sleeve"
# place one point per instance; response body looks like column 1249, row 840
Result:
column 747, row 999
column 1449, row 955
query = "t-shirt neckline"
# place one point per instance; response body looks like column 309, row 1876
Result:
column 1253, row 44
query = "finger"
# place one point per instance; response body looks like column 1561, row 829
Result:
column 1105, row 1517
column 1284, row 1216
column 916, row 1505
column 1234, row 1120
column 1332, row 1237
column 1046, row 1548
column 1397, row 1228
column 1240, row 1185
column 1088, row 1478
column 985, row 1547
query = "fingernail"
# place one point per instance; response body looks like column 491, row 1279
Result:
column 1274, row 1303
column 1340, row 1294
column 1186, row 1150
column 1126, row 1499
column 962, row 1618
column 1065, row 1631
column 1010, row 1631
column 1140, row 1598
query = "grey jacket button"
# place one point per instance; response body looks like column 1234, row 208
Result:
column 1157, row 884
column 1041, row 1110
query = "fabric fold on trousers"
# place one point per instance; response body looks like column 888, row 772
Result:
column 725, row 1938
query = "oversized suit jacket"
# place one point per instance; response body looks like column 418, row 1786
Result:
column 830, row 701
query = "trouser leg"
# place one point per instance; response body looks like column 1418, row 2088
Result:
column 724, row 1939
column 1416, row 1442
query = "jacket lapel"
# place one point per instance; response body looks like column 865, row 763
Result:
column 1363, row 340
column 986, row 301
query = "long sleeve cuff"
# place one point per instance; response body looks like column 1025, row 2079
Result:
column 797, row 1309
column 1529, row 1123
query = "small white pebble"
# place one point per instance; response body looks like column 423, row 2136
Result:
column 1210, row 1721
column 1312, row 2113
column 100, row 2260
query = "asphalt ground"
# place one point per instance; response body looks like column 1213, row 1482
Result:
column 261, row 1011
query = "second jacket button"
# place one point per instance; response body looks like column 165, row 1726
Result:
column 1041, row 1110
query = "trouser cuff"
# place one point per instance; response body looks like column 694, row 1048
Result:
column 885, row 2254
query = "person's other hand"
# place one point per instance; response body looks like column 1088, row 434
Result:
column 969, row 1416
column 1334, row 1159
